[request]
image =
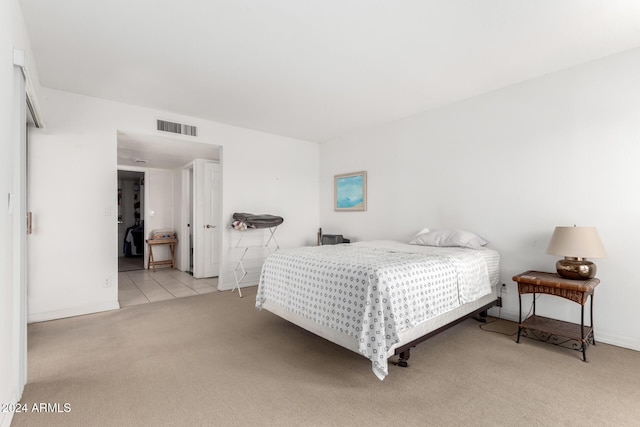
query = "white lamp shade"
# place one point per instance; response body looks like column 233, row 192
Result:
column 578, row 242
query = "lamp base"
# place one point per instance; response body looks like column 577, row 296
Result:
column 576, row 268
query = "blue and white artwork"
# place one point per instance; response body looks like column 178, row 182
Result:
column 350, row 192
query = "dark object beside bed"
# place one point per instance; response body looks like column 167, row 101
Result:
column 333, row 239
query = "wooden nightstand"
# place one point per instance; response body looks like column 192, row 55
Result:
column 579, row 291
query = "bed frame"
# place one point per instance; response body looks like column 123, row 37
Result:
column 405, row 338
column 404, row 352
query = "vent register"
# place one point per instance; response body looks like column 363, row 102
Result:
column 179, row 128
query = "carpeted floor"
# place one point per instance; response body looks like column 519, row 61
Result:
column 213, row 360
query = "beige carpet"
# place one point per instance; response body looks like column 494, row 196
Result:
column 213, row 360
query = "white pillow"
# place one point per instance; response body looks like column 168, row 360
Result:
column 460, row 238
column 423, row 231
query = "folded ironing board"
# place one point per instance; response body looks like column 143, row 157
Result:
column 258, row 221
column 243, row 221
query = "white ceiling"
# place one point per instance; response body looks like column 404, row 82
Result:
column 145, row 151
column 314, row 69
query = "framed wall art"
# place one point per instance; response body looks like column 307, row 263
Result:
column 350, row 191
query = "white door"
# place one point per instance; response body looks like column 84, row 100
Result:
column 18, row 235
column 206, row 218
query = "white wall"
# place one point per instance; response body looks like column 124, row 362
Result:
column 7, row 144
column 511, row 165
column 261, row 172
column 270, row 176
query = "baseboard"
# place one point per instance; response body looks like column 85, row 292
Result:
column 503, row 313
column 624, row 342
column 618, row 341
column 71, row 312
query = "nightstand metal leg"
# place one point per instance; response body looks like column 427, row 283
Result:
column 519, row 317
column 582, row 338
column 593, row 329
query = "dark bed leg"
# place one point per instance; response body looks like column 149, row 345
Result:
column 404, row 358
column 481, row 317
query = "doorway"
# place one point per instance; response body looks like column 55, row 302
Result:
column 130, row 220
column 169, row 202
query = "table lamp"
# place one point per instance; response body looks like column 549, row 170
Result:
column 576, row 244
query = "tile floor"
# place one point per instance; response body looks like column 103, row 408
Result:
column 143, row 286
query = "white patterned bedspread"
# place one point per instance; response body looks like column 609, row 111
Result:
column 372, row 291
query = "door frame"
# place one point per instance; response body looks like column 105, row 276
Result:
column 187, row 203
column 19, row 256
column 24, row 97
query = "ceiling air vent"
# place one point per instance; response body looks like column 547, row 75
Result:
column 180, row 128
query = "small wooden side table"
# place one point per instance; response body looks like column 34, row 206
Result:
column 579, row 291
column 151, row 262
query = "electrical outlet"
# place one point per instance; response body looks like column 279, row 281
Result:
column 107, row 282
column 504, row 289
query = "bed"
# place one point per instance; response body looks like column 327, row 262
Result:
column 378, row 298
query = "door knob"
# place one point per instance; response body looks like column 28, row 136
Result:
column 209, row 226
column 29, row 222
